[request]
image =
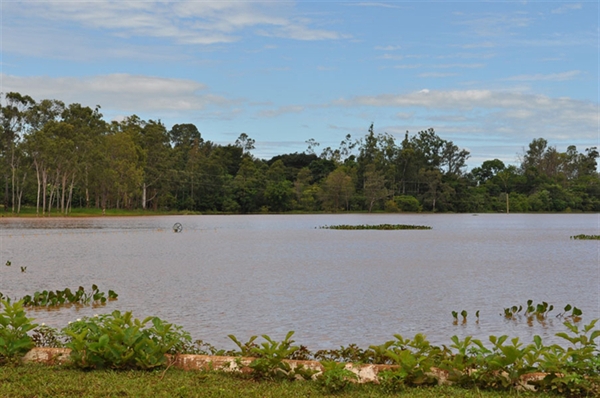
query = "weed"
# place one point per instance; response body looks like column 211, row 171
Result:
column 335, row 377
column 14, row 326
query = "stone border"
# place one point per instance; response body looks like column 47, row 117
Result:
column 366, row 373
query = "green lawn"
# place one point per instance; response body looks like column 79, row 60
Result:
column 47, row 381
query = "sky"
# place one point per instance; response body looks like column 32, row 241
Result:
column 490, row 76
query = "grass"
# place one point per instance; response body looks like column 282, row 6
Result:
column 34, row 380
column 29, row 211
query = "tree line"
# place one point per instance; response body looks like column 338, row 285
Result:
column 55, row 157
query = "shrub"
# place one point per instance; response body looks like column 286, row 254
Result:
column 407, row 203
column 119, row 341
column 14, row 325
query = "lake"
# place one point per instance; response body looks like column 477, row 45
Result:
column 268, row 274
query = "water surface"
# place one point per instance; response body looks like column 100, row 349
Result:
column 268, row 274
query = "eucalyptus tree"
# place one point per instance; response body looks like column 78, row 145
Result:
column 245, row 142
column 376, row 166
column 157, row 164
column 88, row 130
column 13, row 114
column 41, row 118
column 122, row 172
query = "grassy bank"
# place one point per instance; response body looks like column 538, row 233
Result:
column 49, row 381
column 93, row 212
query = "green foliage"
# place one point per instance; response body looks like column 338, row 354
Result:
column 407, row 203
column 351, row 353
column 67, row 297
column 59, row 155
column 14, row 325
column 270, row 354
column 335, row 378
column 378, row 227
column 576, row 369
column 119, row 341
column 245, row 348
column 586, row 237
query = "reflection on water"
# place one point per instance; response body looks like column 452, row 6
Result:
column 248, row 275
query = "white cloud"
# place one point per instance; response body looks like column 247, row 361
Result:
column 510, row 114
column 408, row 66
column 387, row 48
column 487, row 44
column 181, row 22
column 281, row 111
column 448, row 66
column 566, row 8
column 375, row 4
column 124, row 92
column 547, row 77
column 436, row 74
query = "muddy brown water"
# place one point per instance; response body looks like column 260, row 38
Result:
column 268, row 274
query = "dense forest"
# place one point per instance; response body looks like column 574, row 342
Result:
column 54, row 157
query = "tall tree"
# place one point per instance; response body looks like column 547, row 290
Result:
column 13, row 118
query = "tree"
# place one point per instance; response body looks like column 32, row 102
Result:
column 249, row 185
column 123, row 173
column 245, row 142
column 12, row 122
column 337, row 190
column 374, row 187
column 278, row 190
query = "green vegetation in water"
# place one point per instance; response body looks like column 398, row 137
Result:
column 586, row 237
column 385, row 227
column 59, row 298
column 541, row 311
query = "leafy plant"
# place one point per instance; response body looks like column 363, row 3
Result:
column 574, row 370
column 14, row 326
column 269, row 355
column 245, row 348
column 335, row 377
column 350, row 353
column 575, row 314
column 119, row 341
column 49, row 298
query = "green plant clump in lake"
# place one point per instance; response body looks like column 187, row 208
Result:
column 586, row 237
column 58, row 298
column 386, row 227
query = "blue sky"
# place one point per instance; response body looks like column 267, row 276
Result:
column 488, row 75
